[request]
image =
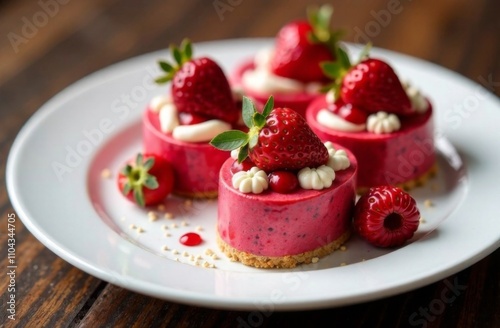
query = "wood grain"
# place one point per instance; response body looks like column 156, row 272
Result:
column 85, row 36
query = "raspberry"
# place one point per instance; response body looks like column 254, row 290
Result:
column 386, row 216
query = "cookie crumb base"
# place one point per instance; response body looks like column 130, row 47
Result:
column 410, row 184
column 197, row 195
column 280, row 262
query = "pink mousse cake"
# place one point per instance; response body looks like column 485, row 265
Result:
column 405, row 157
column 186, row 158
column 179, row 125
column 291, row 69
column 275, row 230
column 298, row 100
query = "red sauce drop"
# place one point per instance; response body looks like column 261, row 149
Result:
column 190, row 239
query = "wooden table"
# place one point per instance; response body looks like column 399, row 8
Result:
column 46, row 45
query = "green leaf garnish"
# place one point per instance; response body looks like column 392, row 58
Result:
column 230, row 140
column 255, row 121
column 181, row 55
column 248, row 111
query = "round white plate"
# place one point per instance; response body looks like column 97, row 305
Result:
column 55, row 184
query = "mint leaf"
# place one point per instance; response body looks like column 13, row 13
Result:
column 230, row 140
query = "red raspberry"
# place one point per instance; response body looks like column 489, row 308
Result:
column 386, row 216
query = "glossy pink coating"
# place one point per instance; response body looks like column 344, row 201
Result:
column 391, row 158
column 297, row 101
column 274, row 224
column 196, row 165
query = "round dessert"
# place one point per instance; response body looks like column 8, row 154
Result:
column 405, row 157
column 285, row 198
column 291, row 70
column 274, row 230
column 386, row 124
column 196, row 164
column 180, row 125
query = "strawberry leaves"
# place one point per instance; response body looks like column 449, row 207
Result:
column 254, row 120
column 181, row 55
column 138, row 178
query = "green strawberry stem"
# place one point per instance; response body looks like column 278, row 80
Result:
column 138, row 178
column 181, row 55
column 254, row 120
column 320, row 20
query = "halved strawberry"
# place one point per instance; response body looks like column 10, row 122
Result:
column 386, row 216
column 199, row 85
column 279, row 139
column 302, row 45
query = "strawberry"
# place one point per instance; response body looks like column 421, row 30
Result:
column 374, row 86
column 199, row 85
column 146, row 180
column 370, row 85
column 301, row 46
column 278, row 139
column 348, row 112
column 386, row 216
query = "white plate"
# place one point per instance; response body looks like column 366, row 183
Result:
column 95, row 124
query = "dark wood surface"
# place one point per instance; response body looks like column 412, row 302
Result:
column 81, row 37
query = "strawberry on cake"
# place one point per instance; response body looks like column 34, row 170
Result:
column 291, row 71
column 179, row 126
column 285, row 198
column 386, row 124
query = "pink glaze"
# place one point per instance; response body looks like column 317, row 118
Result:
column 384, row 158
column 273, row 224
column 196, row 165
column 297, row 101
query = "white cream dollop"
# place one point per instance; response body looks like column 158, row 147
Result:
column 252, row 181
column 382, row 122
column 169, row 118
column 262, row 80
column 204, row 131
column 417, row 99
column 335, row 122
column 316, row 178
column 158, row 102
column 337, row 159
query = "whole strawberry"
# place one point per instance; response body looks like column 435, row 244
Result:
column 374, row 86
column 278, row 139
column 199, row 85
column 370, row 85
column 301, row 46
column 386, row 216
